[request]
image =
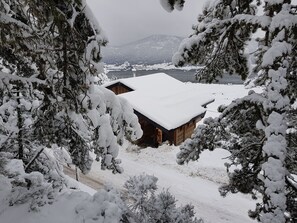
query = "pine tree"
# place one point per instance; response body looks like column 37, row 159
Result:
column 50, row 88
column 147, row 206
column 18, row 72
column 254, row 128
column 218, row 41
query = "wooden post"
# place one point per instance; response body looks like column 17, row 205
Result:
column 159, row 136
column 76, row 174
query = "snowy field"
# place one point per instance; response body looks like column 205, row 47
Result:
column 195, row 183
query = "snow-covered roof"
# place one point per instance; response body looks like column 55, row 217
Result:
column 164, row 99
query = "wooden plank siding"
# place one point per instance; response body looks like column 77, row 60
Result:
column 189, row 129
column 179, row 135
column 185, row 131
column 175, row 136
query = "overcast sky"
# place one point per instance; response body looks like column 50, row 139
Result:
column 124, row 21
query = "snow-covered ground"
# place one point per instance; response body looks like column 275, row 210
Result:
column 195, row 183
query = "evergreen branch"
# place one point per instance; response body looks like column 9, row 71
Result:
column 18, row 78
column 33, row 159
column 292, row 183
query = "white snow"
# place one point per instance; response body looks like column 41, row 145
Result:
column 195, row 183
column 72, row 207
column 164, row 99
column 278, row 49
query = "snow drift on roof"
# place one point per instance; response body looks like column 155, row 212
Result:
column 164, row 99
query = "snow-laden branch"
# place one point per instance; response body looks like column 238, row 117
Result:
column 18, row 78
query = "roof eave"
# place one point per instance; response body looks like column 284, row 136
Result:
column 200, row 116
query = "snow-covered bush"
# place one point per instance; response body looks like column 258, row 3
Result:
column 105, row 206
column 21, row 187
column 147, row 206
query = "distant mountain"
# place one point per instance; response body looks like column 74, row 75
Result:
column 151, row 50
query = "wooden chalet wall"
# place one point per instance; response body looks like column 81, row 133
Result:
column 185, row 131
column 151, row 131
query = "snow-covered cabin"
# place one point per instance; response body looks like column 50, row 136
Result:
column 167, row 108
